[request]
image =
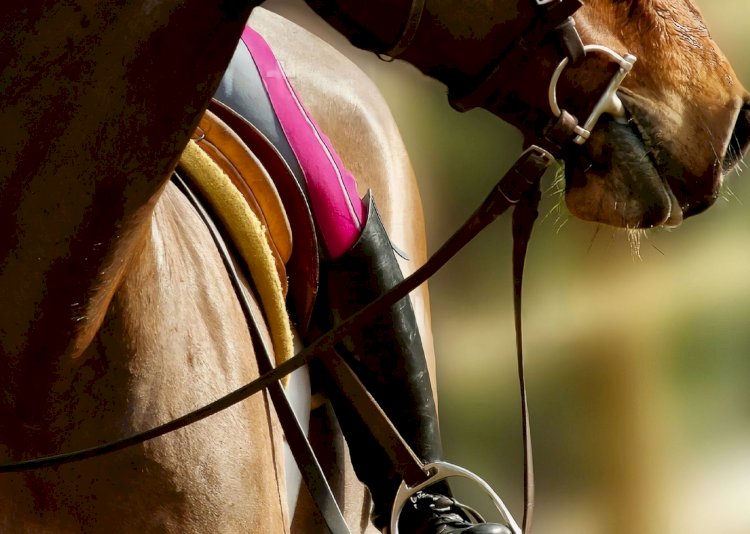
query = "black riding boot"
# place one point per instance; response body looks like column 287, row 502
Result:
column 388, row 357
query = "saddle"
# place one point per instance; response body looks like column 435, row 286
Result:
column 268, row 188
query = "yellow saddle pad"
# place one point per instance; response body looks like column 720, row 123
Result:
column 252, row 214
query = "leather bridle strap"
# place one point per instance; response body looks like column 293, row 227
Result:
column 408, row 32
column 552, row 19
column 551, row 16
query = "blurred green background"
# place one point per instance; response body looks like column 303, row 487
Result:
column 639, row 367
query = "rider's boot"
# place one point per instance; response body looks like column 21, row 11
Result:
column 389, row 359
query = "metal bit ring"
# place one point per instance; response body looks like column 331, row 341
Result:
column 608, row 103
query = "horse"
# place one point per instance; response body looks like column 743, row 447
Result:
column 100, row 263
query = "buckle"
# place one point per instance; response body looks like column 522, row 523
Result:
column 529, row 168
column 608, row 102
column 438, row 471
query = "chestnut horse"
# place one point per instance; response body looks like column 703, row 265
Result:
column 118, row 314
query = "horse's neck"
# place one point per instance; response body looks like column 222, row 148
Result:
column 167, row 319
column 178, row 316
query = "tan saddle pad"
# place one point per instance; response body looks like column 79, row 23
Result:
column 252, row 180
column 244, row 196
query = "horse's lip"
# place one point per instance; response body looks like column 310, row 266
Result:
column 652, row 202
column 676, row 215
column 676, row 179
column 650, row 151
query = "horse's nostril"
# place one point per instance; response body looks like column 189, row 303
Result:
column 740, row 141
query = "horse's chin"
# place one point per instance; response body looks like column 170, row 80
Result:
column 614, row 180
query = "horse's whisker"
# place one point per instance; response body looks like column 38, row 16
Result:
column 635, row 235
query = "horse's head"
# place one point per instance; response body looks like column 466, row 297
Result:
column 689, row 116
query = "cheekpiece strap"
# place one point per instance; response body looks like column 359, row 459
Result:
column 408, row 32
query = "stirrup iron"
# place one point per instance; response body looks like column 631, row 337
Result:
column 437, row 472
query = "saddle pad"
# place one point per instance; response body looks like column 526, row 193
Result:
column 251, row 179
column 248, row 236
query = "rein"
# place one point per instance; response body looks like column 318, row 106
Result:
column 518, row 188
column 509, row 190
column 552, row 22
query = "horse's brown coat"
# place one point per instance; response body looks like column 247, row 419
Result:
column 108, row 326
column 684, row 99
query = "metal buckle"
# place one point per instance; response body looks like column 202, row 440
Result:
column 608, row 103
column 440, row 471
column 530, row 171
column 545, row 155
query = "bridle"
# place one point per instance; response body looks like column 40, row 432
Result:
column 518, row 188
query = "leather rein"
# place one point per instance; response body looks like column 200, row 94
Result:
column 519, row 188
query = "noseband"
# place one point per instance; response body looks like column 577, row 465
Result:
column 518, row 188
